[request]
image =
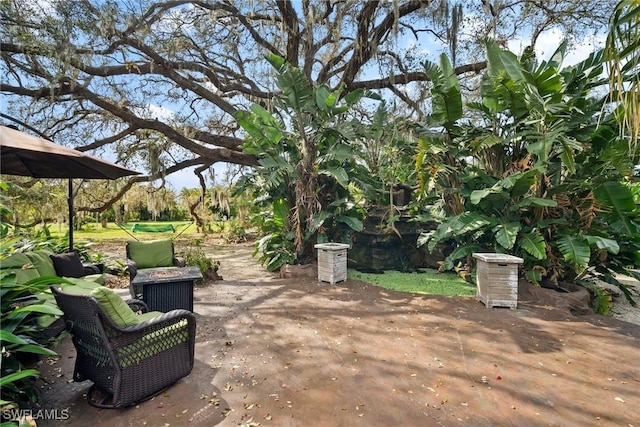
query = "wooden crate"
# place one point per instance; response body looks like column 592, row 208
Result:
column 497, row 279
column 332, row 262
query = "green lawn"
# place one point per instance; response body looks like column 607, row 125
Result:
column 95, row 232
column 425, row 282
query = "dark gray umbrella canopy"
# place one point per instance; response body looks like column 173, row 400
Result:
column 26, row 155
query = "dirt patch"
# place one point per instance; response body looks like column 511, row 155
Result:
column 237, row 263
column 295, row 352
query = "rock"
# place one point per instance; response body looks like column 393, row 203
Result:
column 573, row 298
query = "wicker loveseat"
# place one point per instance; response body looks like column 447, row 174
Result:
column 43, row 262
column 128, row 357
column 22, row 267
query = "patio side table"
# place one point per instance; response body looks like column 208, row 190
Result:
column 168, row 288
column 497, row 277
column 332, row 262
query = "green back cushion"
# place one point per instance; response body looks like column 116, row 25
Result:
column 115, row 307
column 23, row 275
column 16, row 260
column 22, row 266
column 151, row 254
column 42, row 262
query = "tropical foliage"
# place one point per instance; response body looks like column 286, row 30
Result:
column 158, row 84
column 307, row 165
column 623, row 55
column 538, row 171
column 21, row 336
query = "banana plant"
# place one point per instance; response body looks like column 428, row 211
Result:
column 307, row 161
column 543, row 173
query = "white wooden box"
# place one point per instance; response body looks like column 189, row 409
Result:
column 497, row 279
column 332, row 262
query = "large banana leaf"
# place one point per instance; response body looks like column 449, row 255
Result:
column 575, row 250
column 352, row 222
column 618, row 201
column 518, row 185
column 261, row 126
column 533, row 243
column 603, row 243
column 506, row 234
column 280, row 212
column 536, row 201
column 460, row 253
column 446, row 100
column 339, row 174
column 318, row 219
column 465, row 223
column 294, row 85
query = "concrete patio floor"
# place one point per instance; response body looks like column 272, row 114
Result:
column 293, row 352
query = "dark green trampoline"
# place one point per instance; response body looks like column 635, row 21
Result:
column 153, row 228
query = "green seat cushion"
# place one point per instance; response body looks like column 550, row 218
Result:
column 115, row 307
column 95, row 278
column 148, row 315
column 151, row 254
column 42, row 261
column 79, row 286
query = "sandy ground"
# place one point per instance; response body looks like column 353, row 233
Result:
column 295, row 352
column 237, row 263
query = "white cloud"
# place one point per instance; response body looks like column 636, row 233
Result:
column 549, row 41
column 160, row 113
column 152, row 111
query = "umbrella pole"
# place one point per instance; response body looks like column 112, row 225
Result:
column 70, row 202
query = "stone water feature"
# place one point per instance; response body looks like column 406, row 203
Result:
column 381, row 246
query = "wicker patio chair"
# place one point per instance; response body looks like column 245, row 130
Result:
column 149, row 254
column 127, row 364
